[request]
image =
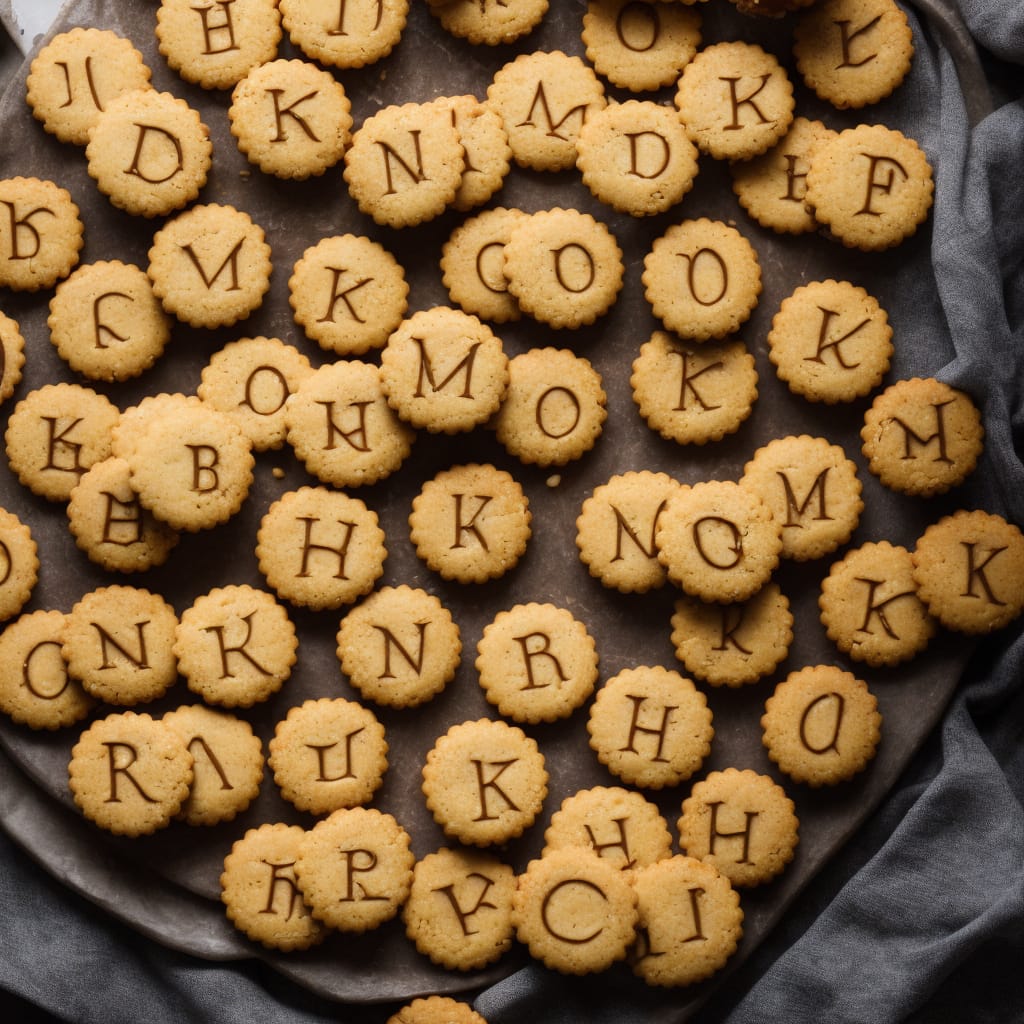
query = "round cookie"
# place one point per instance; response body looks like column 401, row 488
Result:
column 871, row 186
column 54, row 435
column 563, row 267
column 484, row 782
column 735, row 100
column 812, row 489
column 328, row 753
column 436, row 1010
column 347, row 37
column 130, row 773
column 192, row 466
column 348, row 293
column 616, row 527
column 636, row 157
column 355, row 868
column 870, row 606
column 106, row 323
column 319, row 548
column 544, row 98
column 459, row 911
column 210, row 266
column 42, row 235
column 733, row 644
column 821, row 726
column 969, row 570
column 485, row 24
column 487, row 152
column 471, row 523
column 693, row 392
column 76, row 74
column 702, row 279
column 718, row 540
column 830, row 341
column 473, row 264
column 554, row 409
column 399, row 646
column 922, row 437
column 216, row 44
column 650, row 726
column 12, row 356
column 119, row 644
column 574, row 911
column 536, row 662
column 260, row 892
column 771, row 187
column 640, row 46
column 227, row 763
column 618, row 824
column 741, row 822
column 444, row 370
column 35, row 687
column 340, row 426
column 149, row 152
column 405, row 164
column 19, row 564
column 690, row 922
column 853, row 52
column 290, row 118
column 236, row 646
column 110, row 525
column 251, row 379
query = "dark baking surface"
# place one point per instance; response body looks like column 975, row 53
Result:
column 167, row 885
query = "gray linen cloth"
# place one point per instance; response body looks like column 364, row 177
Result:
column 921, row 916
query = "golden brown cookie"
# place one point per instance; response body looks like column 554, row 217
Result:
column 650, row 726
column 355, row 868
column 484, row 24
column 319, row 548
column 921, row 436
column 459, row 911
column 399, row 646
column 575, row 911
column 348, row 294
column 718, row 540
column 42, row 235
column 969, row 569
column 536, row 662
column 12, row 356
column 830, row 341
column 260, row 892
column 733, row 644
column 554, row 409
column 821, row 725
column 235, row 645
column 693, row 392
column 485, row 782
column 702, row 279
column 871, row 186
column 690, row 922
column 349, row 36
column 130, row 773
column 436, row 1009
column 735, row 100
column 19, row 564
column 328, row 753
column 471, row 523
column 812, row 489
column 741, row 822
column 227, row 763
column 616, row 529
column 870, row 606
column 853, row 52
column 76, row 74
column 35, row 687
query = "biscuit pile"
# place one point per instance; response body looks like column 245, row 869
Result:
column 367, row 375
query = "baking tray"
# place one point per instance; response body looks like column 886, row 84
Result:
column 166, row 885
